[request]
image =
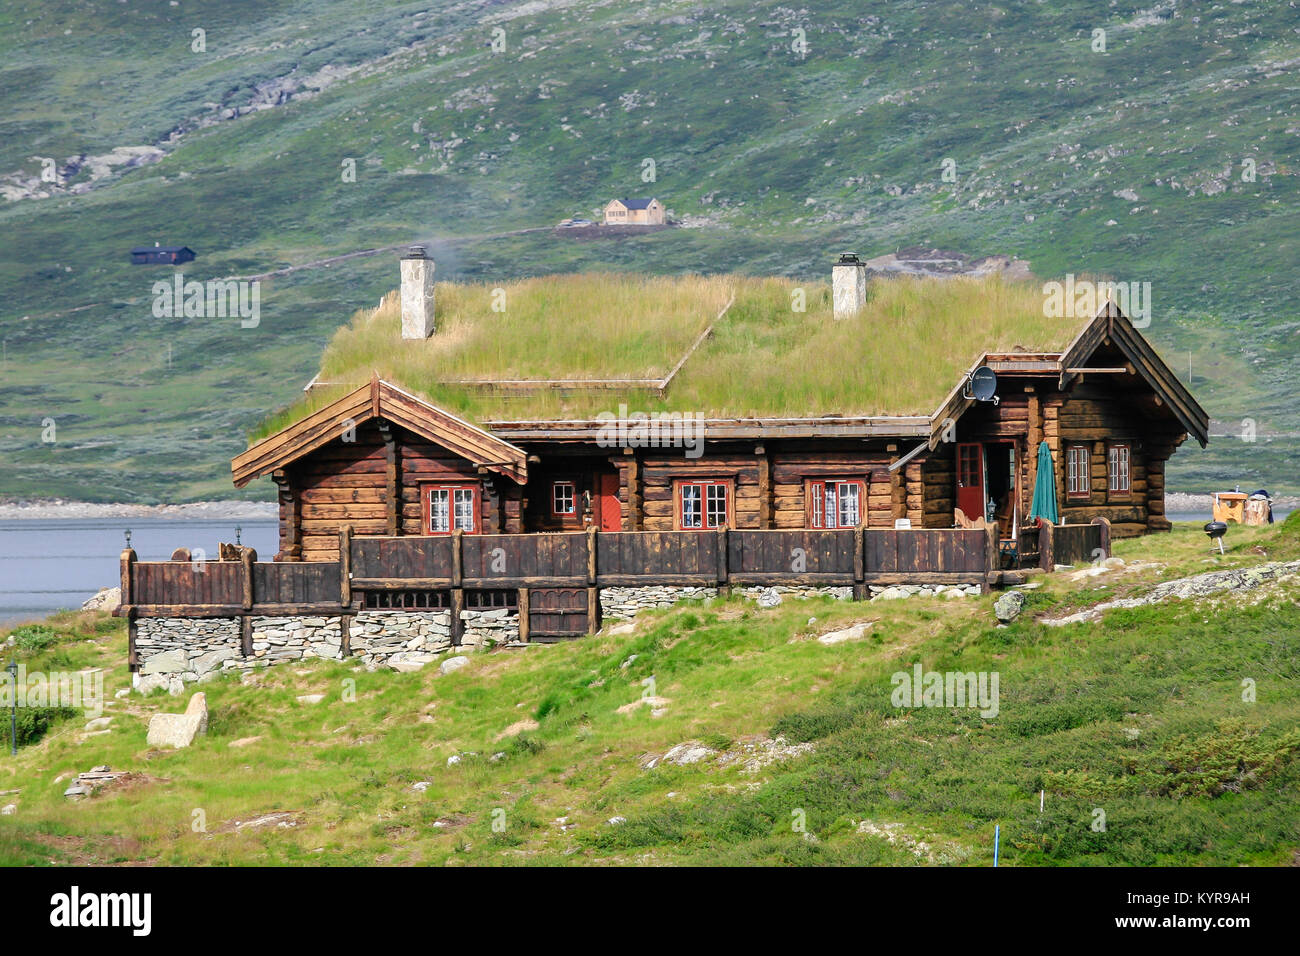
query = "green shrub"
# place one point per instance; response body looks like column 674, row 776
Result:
column 33, row 723
column 35, row 637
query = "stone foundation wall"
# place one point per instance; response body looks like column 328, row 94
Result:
column 499, row 625
column 626, row 602
column 176, row 651
column 173, row 650
column 798, row 591
column 894, row 591
column 293, row 638
column 379, row 635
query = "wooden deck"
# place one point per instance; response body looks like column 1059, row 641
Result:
column 441, row 569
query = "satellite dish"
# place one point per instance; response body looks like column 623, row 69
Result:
column 982, row 385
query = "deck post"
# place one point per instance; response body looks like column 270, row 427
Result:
column 132, row 656
column 1104, row 524
column 593, row 592
column 345, row 565
column 245, row 635
column 128, row 566
column 457, row 558
column 457, row 592
column 724, row 561
column 523, row 615
column 991, row 561
column 246, row 558
column 861, row 591
column 1046, row 550
column 457, row 625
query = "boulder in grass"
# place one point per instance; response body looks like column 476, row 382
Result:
column 452, row 664
column 1008, row 607
column 854, row 633
column 179, row 730
column 406, row 662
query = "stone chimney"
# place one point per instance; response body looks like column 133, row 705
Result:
column 848, row 285
column 417, row 294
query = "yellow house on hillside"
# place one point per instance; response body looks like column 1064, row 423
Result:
column 634, row 212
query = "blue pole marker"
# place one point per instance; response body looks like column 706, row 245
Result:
column 997, row 832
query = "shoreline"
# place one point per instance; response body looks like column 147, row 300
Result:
column 48, row 509
column 58, row 508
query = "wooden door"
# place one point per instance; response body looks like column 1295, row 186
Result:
column 609, row 510
column 970, row 480
column 556, row 614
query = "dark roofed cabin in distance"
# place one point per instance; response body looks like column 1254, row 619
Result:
column 161, row 255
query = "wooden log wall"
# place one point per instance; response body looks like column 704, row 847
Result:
column 424, row 462
column 1095, row 415
column 938, row 473
column 793, row 468
column 350, row 482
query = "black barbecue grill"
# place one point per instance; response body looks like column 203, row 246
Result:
column 1216, row 530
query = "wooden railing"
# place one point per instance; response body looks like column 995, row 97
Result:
column 591, row 559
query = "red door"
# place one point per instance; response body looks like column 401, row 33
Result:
column 609, row 511
column 970, row 480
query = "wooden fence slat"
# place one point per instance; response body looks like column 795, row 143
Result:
column 588, row 559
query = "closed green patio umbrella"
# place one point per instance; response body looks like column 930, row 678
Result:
column 1044, row 504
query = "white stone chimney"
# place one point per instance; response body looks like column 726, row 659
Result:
column 848, row 285
column 417, row 294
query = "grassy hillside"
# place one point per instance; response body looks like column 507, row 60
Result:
column 528, row 755
column 1126, row 163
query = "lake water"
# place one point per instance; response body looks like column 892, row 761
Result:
column 48, row 565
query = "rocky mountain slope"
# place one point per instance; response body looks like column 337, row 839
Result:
column 266, row 136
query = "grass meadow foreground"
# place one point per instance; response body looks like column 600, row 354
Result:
column 1135, row 729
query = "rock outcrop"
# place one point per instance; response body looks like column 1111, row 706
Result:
column 179, row 730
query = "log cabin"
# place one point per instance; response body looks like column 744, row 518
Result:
column 419, row 449
column 634, row 212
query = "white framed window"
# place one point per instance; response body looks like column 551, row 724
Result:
column 564, row 499
column 1078, row 472
column 1118, row 469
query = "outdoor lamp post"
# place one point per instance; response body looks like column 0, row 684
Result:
column 13, row 708
column 128, row 537
column 238, row 531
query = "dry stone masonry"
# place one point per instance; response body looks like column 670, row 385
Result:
column 175, row 651
column 626, row 602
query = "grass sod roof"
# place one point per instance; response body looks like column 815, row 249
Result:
column 901, row 355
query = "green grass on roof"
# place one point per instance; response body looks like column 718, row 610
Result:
column 900, row 355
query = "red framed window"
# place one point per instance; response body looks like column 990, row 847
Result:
column 703, row 505
column 835, row 504
column 564, row 498
column 970, row 467
column 452, row 507
column 1078, row 473
column 1118, row 469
